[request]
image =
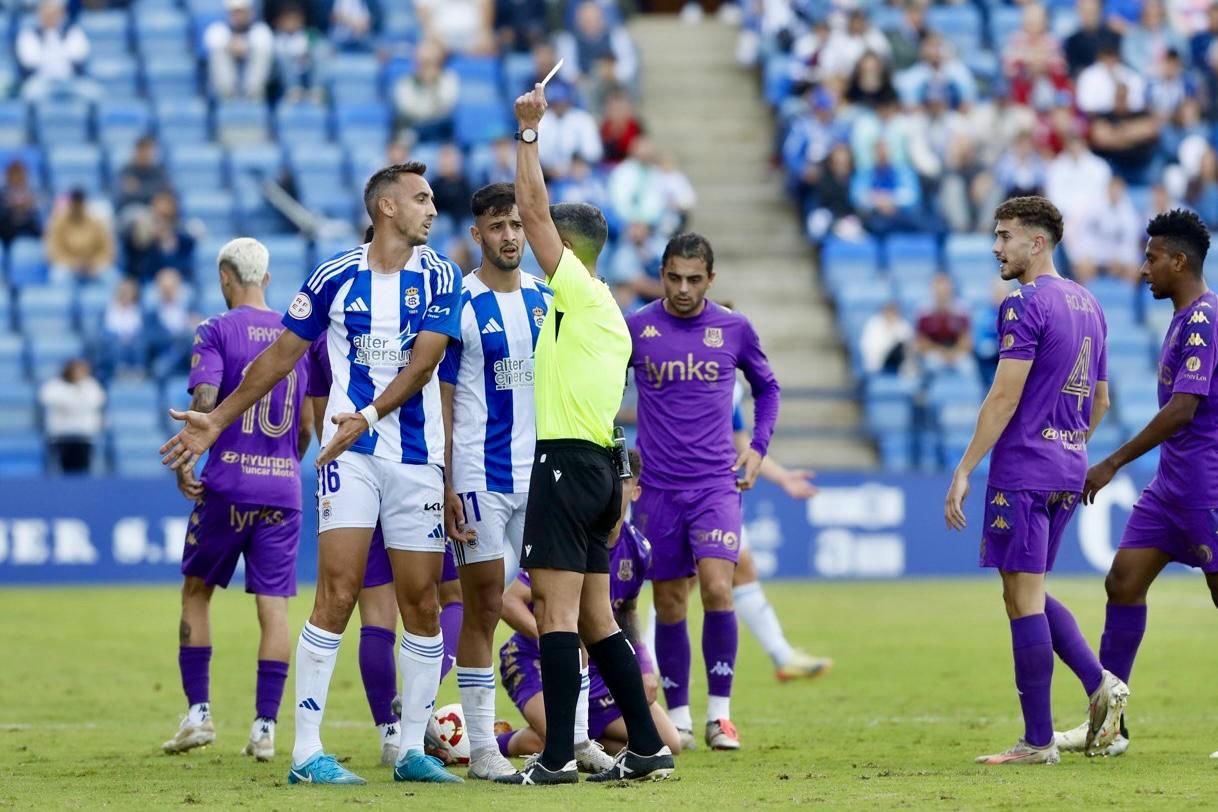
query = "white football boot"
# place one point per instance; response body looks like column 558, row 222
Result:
column 262, row 740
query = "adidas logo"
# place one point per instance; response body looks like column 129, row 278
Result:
column 492, row 326
column 721, row 669
column 437, row 532
column 650, row 332
column 358, row 306
column 310, row 704
column 557, row 475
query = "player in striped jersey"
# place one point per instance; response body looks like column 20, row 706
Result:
column 486, row 382
column 388, row 308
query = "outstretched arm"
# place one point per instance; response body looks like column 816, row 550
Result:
column 531, row 197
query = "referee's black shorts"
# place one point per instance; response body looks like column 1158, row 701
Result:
column 575, row 499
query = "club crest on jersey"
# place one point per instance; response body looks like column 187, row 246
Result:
column 1193, row 364
column 539, row 316
column 326, row 510
column 194, row 360
column 411, row 298
column 625, row 570
column 1008, row 342
column 713, row 337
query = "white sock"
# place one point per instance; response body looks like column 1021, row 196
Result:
column 581, row 708
column 755, row 610
column 680, row 717
column 477, row 687
column 718, row 707
column 419, row 660
column 650, row 636
column 199, row 712
column 316, row 653
column 259, row 724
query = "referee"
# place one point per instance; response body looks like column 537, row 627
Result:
column 575, row 490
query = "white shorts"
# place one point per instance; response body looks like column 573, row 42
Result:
column 498, row 519
column 357, row 490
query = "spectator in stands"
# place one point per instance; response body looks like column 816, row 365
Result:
column 141, row 179
column 169, row 325
column 449, row 187
column 636, row 267
column 1147, row 43
column 1074, row 179
column 584, row 184
column 941, row 152
column 886, row 196
column 160, row 240
column 888, row 123
column 809, row 140
column 847, row 45
column 79, row 243
column 502, row 168
column 353, row 24
column 634, row 186
column 1097, row 85
column 1032, row 60
column 598, row 56
column 884, row 343
column 678, row 193
column 871, row 84
column 1188, row 16
column 1202, row 192
column 1174, row 88
column 297, row 53
column 52, row 54
column 944, row 337
column 1020, row 171
column 520, row 24
column 460, row 26
column 937, row 72
column 426, row 99
column 1128, row 140
column 619, row 126
column 567, row 131
column 985, row 331
column 1082, row 47
column 19, row 209
column 240, row 53
column 833, row 212
column 121, row 350
column 1201, row 43
column 906, row 37
column 72, row 406
column 1109, row 237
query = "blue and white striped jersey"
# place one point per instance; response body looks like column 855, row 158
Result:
column 371, row 320
column 494, row 419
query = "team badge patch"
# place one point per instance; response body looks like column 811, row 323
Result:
column 713, row 337
column 1193, row 364
column 194, row 360
column 625, row 570
column 411, row 298
column 326, row 510
column 301, row 307
column 539, row 316
column 1008, row 342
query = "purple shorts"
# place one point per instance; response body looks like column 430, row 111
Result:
column 1188, row 535
column 1023, row 529
column 379, row 572
column 520, row 669
column 686, row 526
column 221, row 532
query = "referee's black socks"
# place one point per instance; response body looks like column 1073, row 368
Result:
column 560, row 666
column 619, row 668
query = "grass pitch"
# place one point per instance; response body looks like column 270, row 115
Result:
column 89, row 689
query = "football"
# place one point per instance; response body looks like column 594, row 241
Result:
column 451, row 721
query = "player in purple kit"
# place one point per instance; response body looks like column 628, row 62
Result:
column 247, row 499
column 1176, row 517
column 1049, row 393
column 686, row 351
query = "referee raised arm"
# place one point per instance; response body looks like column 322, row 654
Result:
column 575, row 490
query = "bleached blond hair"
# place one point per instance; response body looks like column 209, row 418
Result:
column 247, row 259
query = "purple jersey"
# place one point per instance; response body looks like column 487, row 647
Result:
column 254, row 460
column 318, row 360
column 1188, row 460
column 685, row 370
column 1058, row 326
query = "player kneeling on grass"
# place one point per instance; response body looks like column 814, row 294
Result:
column 520, row 659
column 1049, row 393
column 1176, row 517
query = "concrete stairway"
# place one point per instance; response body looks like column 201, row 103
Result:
column 699, row 104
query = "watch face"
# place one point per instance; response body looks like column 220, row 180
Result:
column 528, row 135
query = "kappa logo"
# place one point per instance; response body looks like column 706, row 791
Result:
column 557, row 475
column 1000, row 499
column 1015, row 294
column 1000, row 524
column 1198, row 318
column 1195, row 340
column 358, row 306
column 1012, row 315
column 721, row 669
column 668, row 683
column 650, row 331
column 713, row 337
column 492, row 326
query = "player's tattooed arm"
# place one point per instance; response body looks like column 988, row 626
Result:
column 204, row 398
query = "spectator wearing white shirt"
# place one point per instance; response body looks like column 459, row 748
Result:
column 1109, row 237
column 426, row 98
column 72, row 406
column 122, row 346
column 240, row 53
column 937, row 70
column 462, row 26
column 1097, row 85
column 847, row 45
column 52, row 53
column 1074, row 179
column 679, row 195
column 634, row 186
column 566, row 131
column 885, row 341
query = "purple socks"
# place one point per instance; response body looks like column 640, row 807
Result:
column 378, row 668
column 1071, row 646
column 450, row 628
column 1123, row 630
column 272, row 674
column 672, row 658
column 193, row 662
column 1032, row 644
column 504, row 740
column 719, row 642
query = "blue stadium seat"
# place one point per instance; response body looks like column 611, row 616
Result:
column 27, row 263
column 836, row 251
column 476, row 69
column 959, row 24
column 352, row 68
column 22, row 455
column 182, row 121
column 242, row 122
column 249, row 164
column 196, row 166
column 889, row 415
column 136, row 453
column 171, row 76
column 91, row 303
column 211, row 299
column 301, row 123
column 45, row 308
column 65, row 121
column 480, row 122
column 362, row 123
column 966, row 251
column 19, row 419
column 71, row 166
column 49, row 352
column 106, row 30
column 214, row 207
column 896, row 452
column 949, row 388
column 14, row 123
column 134, row 395
column 399, row 21
column 122, row 121
column 289, row 258
column 174, row 394
column 18, row 395
column 156, row 28
column 117, row 76
column 206, row 251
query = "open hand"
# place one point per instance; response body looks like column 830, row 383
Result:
column 190, row 487
column 186, row 447
column 351, row 426
column 454, row 519
column 1098, row 476
column 953, row 508
column 797, row 483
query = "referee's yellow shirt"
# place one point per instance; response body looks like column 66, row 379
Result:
column 581, row 357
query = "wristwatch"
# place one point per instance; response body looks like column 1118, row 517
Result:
column 528, row 135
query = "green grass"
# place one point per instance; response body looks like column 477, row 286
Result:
column 89, row 689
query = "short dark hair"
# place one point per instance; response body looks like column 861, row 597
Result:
column 582, row 226
column 1184, row 232
column 1033, row 212
column 375, row 187
column 495, row 199
column 368, row 234
column 636, row 462
column 690, row 245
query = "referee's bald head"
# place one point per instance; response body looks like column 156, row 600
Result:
column 582, row 227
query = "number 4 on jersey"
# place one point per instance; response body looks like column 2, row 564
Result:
column 1078, row 383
